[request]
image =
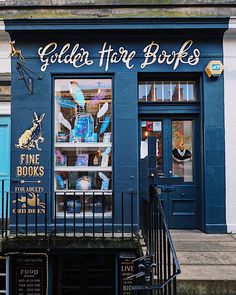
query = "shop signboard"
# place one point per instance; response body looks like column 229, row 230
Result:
column 126, row 269
column 29, row 274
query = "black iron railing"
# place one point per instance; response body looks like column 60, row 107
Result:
column 160, row 248
column 72, row 214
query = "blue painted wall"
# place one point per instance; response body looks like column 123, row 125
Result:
column 5, row 151
column 125, row 104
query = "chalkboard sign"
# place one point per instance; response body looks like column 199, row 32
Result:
column 29, row 274
column 126, row 268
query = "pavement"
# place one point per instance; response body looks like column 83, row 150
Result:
column 207, row 261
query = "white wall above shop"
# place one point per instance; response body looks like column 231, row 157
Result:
column 230, row 123
column 5, row 60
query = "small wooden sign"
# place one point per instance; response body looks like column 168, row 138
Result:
column 29, row 274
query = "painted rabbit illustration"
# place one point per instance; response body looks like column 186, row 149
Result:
column 30, row 138
column 32, row 201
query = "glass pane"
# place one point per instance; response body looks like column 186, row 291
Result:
column 83, row 137
column 175, row 91
column 2, row 283
column 152, row 128
column 142, row 91
column 5, row 91
column 167, row 91
column 2, row 265
column 182, row 152
column 191, row 95
column 159, row 91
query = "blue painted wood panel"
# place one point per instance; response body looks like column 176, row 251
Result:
column 4, row 157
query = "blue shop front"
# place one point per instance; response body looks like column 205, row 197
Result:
column 86, row 98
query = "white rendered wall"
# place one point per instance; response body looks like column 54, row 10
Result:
column 5, row 63
column 230, row 123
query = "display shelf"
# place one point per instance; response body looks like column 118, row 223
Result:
column 83, row 192
column 83, row 133
column 81, row 168
column 82, row 144
column 87, row 214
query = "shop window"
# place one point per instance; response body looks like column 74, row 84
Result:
column 167, row 91
column 5, row 91
column 83, row 141
column 91, row 274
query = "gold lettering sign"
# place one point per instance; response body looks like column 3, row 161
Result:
column 28, row 199
column 32, row 200
column 153, row 53
column 33, row 171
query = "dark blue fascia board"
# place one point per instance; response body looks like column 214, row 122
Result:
column 168, row 108
column 109, row 24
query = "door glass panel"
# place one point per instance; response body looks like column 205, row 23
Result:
column 182, row 152
column 152, row 128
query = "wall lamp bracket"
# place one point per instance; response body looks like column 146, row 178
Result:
column 27, row 76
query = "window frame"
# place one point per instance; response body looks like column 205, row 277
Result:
column 81, row 193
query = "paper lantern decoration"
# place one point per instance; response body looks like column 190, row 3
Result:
column 102, row 110
column 65, row 102
column 63, row 121
column 105, row 124
column 77, row 94
column 97, row 98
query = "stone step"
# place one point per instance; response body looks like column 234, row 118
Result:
column 208, row 273
column 206, row 246
column 198, row 287
column 207, row 258
column 207, row 262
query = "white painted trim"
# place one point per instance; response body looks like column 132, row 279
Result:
column 2, row 25
column 4, row 36
column 231, row 228
column 7, row 275
column 229, row 43
column 5, row 108
column 5, row 50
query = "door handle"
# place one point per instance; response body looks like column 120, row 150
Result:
column 182, row 195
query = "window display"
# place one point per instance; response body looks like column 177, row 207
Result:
column 83, row 136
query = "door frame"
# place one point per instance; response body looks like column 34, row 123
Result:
column 197, row 136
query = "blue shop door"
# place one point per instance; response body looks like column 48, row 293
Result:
column 178, row 167
column 4, row 159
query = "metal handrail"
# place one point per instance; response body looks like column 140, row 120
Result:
column 177, row 265
column 159, row 246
